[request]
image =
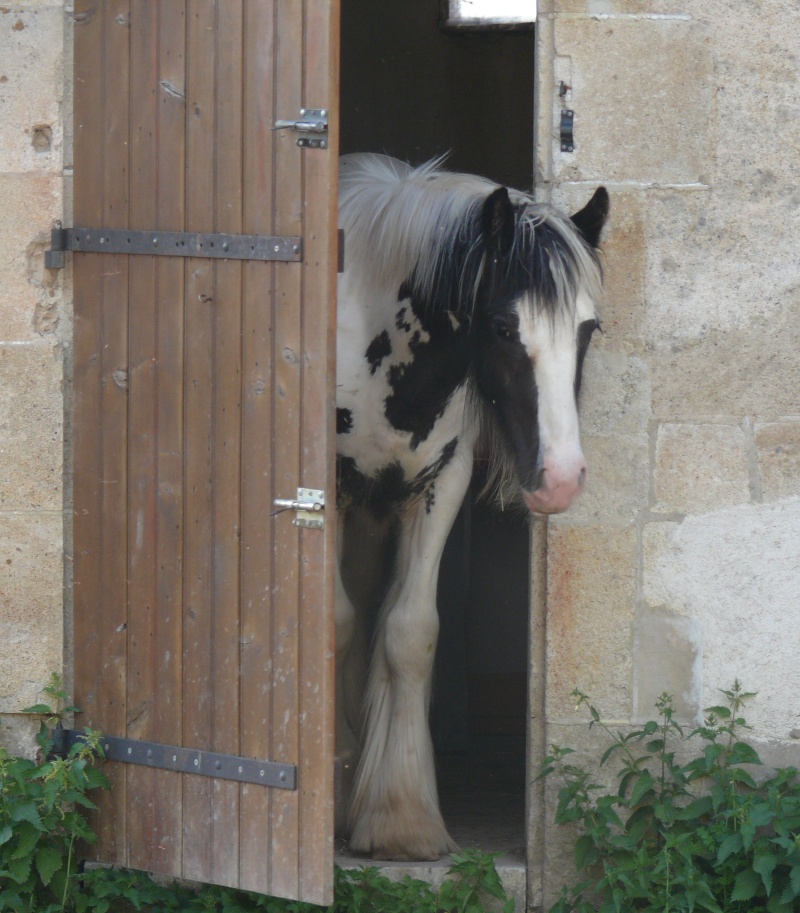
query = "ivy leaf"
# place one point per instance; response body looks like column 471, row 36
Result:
column 48, row 862
column 746, row 885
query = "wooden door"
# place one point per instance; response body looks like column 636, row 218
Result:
column 203, row 390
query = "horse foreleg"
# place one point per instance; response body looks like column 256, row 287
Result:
column 395, row 807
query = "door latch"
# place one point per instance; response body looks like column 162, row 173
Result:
column 311, row 121
column 309, row 504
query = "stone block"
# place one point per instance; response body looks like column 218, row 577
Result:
column 700, row 468
column 31, row 606
column 628, row 112
column 31, row 87
column 615, row 394
column 667, row 657
column 618, row 478
column 18, row 735
column 31, row 427
column 31, row 297
column 778, row 450
column 736, row 572
column 591, row 587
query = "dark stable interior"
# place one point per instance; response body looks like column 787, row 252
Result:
column 412, row 91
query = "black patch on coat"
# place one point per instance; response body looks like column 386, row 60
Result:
column 388, row 489
column 400, row 318
column 377, row 350
column 344, row 421
column 421, row 388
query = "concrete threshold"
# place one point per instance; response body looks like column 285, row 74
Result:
column 510, row 867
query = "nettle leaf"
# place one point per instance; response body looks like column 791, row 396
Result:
column 27, row 838
column 723, row 713
column 643, row 785
column 742, row 753
column 695, row 809
column 731, row 844
column 26, row 811
column 48, row 861
column 5, row 834
column 764, row 864
column 585, row 851
column 746, row 885
column 794, row 880
column 20, row 869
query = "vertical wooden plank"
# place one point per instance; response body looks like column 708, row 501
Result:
column 99, row 685
column 142, row 443
column 113, row 625
column 287, row 355
column 199, row 421
column 168, row 619
column 256, row 654
column 227, row 437
column 315, row 679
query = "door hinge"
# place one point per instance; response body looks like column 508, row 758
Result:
column 170, row 244
column 313, row 121
column 309, row 504
column 183, row 760
column 566, row 130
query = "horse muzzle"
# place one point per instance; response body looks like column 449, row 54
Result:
column 557, row 489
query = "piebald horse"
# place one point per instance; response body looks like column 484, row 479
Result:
column 465, row 313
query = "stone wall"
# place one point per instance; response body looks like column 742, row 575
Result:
column 679, row 570
column 34, row 334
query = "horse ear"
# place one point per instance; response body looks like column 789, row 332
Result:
column 591, row 219
column 498, row 223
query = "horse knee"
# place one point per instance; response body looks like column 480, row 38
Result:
column 410, row 642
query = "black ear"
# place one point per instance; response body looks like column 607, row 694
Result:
column 497, row 222
column 591, row 219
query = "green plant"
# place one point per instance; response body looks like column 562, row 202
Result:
column 699, row 835
column 40, row 820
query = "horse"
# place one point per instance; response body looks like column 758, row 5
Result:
column 465, row 310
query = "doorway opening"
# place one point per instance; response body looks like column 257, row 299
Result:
column 414, row 91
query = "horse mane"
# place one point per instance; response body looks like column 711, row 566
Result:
column 424, row 224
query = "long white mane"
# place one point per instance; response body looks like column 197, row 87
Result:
column 398, row 220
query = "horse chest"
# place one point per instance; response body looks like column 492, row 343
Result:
column 401, row 404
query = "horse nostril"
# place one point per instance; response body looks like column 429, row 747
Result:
column 582, row 477
column 539, row 480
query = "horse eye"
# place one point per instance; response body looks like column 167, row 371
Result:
column 500, row 327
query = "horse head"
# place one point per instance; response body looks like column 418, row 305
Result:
column 533, row 320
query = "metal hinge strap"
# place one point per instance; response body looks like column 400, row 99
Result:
column 170, row 244
column 185, row 760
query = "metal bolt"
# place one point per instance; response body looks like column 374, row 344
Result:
column 197, row 762
column 155, row 242
column 225, row 246
column 261, row 773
